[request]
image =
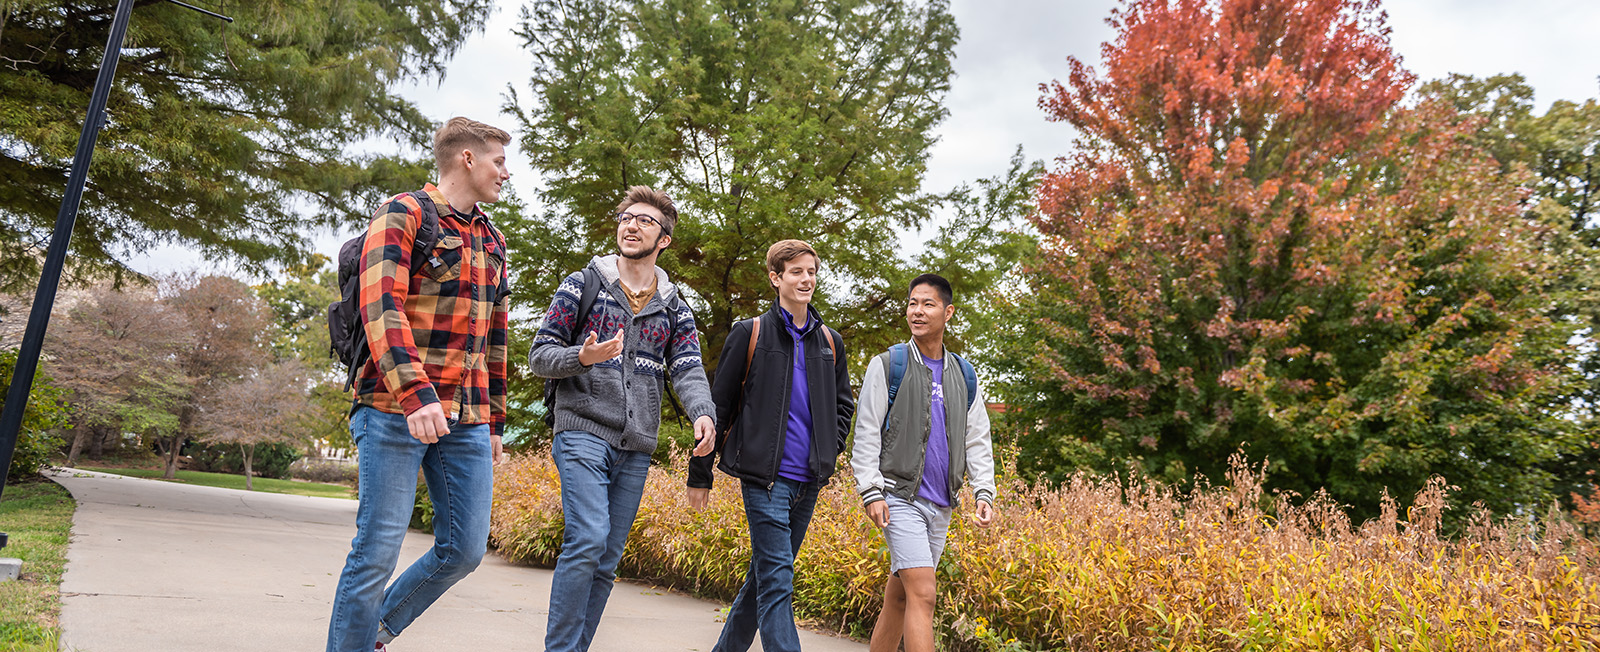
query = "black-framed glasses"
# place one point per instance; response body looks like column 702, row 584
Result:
column 643, row 219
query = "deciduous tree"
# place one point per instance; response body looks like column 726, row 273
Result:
column 232, row 332
column 1557, row 156
column 117, row 354
column 1258, row 245
column 266, row 405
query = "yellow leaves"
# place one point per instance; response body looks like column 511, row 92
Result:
column 1101, row 566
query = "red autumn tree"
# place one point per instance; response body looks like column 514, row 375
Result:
column 1256, row 244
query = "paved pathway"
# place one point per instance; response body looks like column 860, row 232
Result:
column 178, row 568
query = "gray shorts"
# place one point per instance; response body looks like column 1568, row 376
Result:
column 915, row 533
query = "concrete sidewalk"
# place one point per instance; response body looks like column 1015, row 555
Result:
column 177, row 568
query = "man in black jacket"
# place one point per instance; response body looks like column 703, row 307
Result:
column 783, row 398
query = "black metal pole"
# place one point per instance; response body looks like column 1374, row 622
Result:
column 212, row 14
column 55, row 258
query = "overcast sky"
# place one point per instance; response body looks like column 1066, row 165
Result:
column 1009, row 47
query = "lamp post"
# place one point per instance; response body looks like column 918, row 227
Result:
column 55, row 258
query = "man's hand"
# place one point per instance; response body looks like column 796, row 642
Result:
column 499, row 451
column 427, row 424
column 878, row 512
column 593, row 352
column 985, row 514
column 698, row 498
column 705, row 436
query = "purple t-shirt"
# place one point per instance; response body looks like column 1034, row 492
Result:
column 936, row 461
column 796, row 462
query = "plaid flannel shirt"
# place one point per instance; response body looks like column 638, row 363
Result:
column 439, row 336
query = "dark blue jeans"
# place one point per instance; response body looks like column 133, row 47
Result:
column 460, row 476
column 778, row 520
column 601, row 486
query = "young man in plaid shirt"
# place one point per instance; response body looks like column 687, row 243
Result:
column 433, row 395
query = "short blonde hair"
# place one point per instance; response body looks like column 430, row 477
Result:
column 783, row 251
column 463, row 133
column 653, row 197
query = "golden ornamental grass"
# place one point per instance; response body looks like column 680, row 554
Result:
column 1096, row 565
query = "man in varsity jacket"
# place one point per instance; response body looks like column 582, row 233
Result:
column 921, row 428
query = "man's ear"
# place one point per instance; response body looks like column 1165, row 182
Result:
column 468, row 158
column 663, row 241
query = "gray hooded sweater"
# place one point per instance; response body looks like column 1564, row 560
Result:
column 619, row 400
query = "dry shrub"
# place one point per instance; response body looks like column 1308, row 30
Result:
column 1103, row 565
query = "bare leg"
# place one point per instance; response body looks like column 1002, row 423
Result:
column 920, row 592
column 891, row 621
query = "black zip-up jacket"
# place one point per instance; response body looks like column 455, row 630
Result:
column 752, row 413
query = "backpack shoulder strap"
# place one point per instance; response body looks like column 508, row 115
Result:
column 750, row 351
column 427, row 231
column 828, row 334
column 971, row 376
column 898, row 358
column 591, row 290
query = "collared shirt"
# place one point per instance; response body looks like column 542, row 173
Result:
column 438, row 336
column 638, row 300
column 796, row 461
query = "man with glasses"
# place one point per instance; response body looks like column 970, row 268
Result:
column 612, row 358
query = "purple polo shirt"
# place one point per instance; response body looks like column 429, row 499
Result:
column 936, row 460
column 796, row 462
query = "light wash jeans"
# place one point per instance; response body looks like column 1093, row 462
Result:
column 458, row 469
column 778, row 520
column 601, row 486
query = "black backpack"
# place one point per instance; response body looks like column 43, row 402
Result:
column 347, row 338
column 591, row 289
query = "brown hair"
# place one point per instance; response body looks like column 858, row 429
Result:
column 463, row 133
column 783, row 251
column 653, row 197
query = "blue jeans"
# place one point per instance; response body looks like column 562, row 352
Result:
column 460, row 482
column 601, row 486
column 778, row 520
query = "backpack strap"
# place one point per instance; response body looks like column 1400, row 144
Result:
column 750, row 351
column 672, row 330
column 427, row 234
column 591, row 291
column 971, row 376
column 898, row 357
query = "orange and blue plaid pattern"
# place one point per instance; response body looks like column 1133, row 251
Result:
column 438, row 336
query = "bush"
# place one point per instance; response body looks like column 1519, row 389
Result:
column 271, row 460
column 326, row 471
column 37, row 441
column 422, row 508
column 1097, row 565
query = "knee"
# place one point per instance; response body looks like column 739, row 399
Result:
column 576, row 548
column 920, row 594
column 460, row 560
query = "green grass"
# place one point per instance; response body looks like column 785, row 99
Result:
column 38, row 517
column 231, row 481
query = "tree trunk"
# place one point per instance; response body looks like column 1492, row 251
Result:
column 97, row 442
column 248, row 451
column 175, row 442
column 80, row 436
